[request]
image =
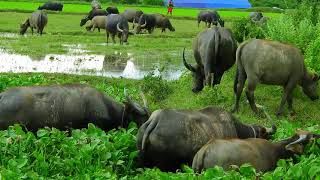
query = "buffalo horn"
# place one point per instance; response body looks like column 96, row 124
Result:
column 120, row 30
column 144, row 25
column 188, row 66
column 302, row 137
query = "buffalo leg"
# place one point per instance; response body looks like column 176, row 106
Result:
column 99, row 29
column 250, row 94
column 217, row 77
column 113, row 38
column 241, row 80
column 107, row 37
column 290, row 101
column 198, row 23
column 286, row 95
column 32, row 30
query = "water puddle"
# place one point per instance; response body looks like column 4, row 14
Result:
column 113, row 65
column 8, row 35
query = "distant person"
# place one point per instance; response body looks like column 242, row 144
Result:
column 170, row 7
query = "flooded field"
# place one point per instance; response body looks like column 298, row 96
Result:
column 77, row 61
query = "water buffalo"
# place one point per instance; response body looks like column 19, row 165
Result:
column 260, row 153
column 53, row 6
column 215, row 52
column 275, row 63
column 112, row 10
column 210, row 17
column 171, row 137
column 117, row 24
column 255, row 16
column 95, row 4
column 152, row 21
column 66, row 106
column 97, row 22
column 132, row 15
column 38, row 20
column 93, row 13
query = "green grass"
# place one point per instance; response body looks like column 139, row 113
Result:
column 85, row 8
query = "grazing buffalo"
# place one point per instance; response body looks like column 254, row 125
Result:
column 260, row 153
column 274, row 63
column 53, row 6
column 210, row 17
column 255, row 16
column 171, row 137
column 112, row 10
column 117, row 24
column 38, row 20
column 152, row 21
column 215, row 52
column 93, row 13
column 64, row 107
column 97, row 22
column 132, row 15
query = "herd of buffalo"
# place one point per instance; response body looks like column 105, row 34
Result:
column 168, row 138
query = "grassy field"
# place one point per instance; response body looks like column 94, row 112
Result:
column 85, row 8
column 50, row 153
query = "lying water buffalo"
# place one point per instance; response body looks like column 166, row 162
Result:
column 97, row 22
column 255, row 16
column 53, row 6
column 260, row 153
column 152, row 21
column 210, row 17
column 112, row 10
column 64, row 107
column 271, row 62
column 132, row 15
column 171, row 137
column 215, row 52
column 93, row 13
column 117, row 24
column 38, row 20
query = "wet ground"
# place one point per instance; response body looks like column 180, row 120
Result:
column 78, row 60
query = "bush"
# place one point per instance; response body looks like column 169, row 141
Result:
column 157, row 88
column 244, row 28
column 313, row 54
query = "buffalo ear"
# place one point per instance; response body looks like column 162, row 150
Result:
column 295, row 148
column 315, row 77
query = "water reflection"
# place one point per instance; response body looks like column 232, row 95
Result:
column 114, row 65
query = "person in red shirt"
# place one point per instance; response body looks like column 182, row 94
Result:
column 170, row 7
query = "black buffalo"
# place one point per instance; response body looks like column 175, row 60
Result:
column 172, row 137
column 93, row 13
column 215, row 52
column 117, row 24
column 152, row 21
column 38, row 20
column 210, row 17
column 132, row 15
column 53, row 6
column 64, row 107
column 255, row 16
column 112, row 10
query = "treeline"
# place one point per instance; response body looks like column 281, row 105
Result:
column 142, row 2
column 284, row 4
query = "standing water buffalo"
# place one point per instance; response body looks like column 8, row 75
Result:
column 271, row 62
column 97, row 22
column 152, row 21
column 93, row 13
column 171, row 137
column 215, row 52
column 260, row 153
column 66, row 106
column 53, row 6
column 132, row 15
column 112, row 10
column 255, row 16
column 38, row 20
column 210, row 17
column 117, row 24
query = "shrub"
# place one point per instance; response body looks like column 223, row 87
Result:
column 312, row 55
column 157, row 88
column 153, row 2
column 244, row 28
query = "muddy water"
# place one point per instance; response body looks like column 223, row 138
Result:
column 76, row 62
